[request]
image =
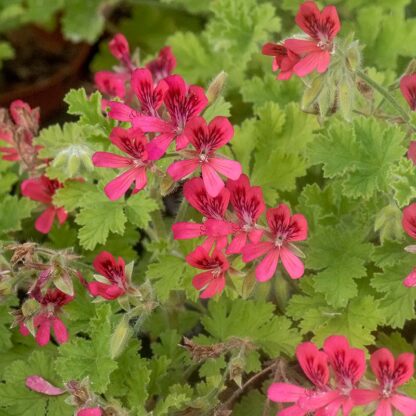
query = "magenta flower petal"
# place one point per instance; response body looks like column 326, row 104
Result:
column 45, row 220
column 110, row 160
column 404, row 404
column 253, row 251
column 186, row 230
column 410, row 280
column 61, row 333
column 212, row 181
column 182, row 168
column 267, row 267
column 158, row 146
column 408, row 89
column 285, row 393
column 152, row 125
column 116, row 188
column 40, row 385
column 229, row 168
column 91, row 411
column 43, row 333
column 292, row 263
column 121, row 112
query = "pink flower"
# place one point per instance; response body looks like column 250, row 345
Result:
column 349, row 366
column 119, row 48
column 114, row 282
column 24, row 116
column 17, row 129
column 283, row 230
column 42, row 189
column 409, row 220
column 150, row 97
column 214, row 227
column 132, row 142
column 390, row 374
column 411, row 153
column 322, row 27
column 51, row 304
column 212, row 281
column 284, row 59
column 183, row 103
column 111, row 83
column 162, row 66
column 90, row 411
column 408, row 89
column 314, row 364
column 206, row 140
column 248, row 204
column 40, row 385
column 410, row 280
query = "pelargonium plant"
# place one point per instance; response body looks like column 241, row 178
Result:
column 197, row 243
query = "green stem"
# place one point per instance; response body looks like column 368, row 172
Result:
column 386, row 94
column 158, row 224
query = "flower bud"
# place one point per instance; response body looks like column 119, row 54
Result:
column 216, row 87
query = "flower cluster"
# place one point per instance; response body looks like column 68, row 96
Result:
column 231, row 226
column 46, row 316
column 343, row 391
column 18, row 127
column 118, row 83
column 310, row 51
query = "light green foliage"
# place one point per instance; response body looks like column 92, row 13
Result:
column 82, row 357
column 70, row 149
column 253, row 320
column 363, row 155
column 17, row 400
column 229, row 41
column 339, row 255
column 356, row 321
column 272, row 147
column 13, row 211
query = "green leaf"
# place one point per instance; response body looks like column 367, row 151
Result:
column 339, row 255
column 98, row 217
column 362, row 154
column 71, row 194
column 168, row 274
column 404, row 182
column 357, row 321
column 219, row 107
column 253, row 320
column 138, row 209
column 13, row 211
column 88, row 109
column 131, row 378
column 70, row 148
column 17, row 400
column 82, row 357
column 398, row 301
column 83, row 21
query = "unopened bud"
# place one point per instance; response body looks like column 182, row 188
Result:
column 120, row 337
column 353, row 55
column 216, row 87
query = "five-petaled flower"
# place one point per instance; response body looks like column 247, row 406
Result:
column 42, row 189
column 248, row 205
column 183, row 103
column 215, row 227
column 149, row 95
column 390, row 374
column 112, row 277
column 212, row 281
column 206, row 139
column 163, row 65
column 283, row 230
column 284, row 59
column 348, row 365
column 408, row 89
column 132, row 142
column 50, row 306
column 314, row 364
column 304, row 55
